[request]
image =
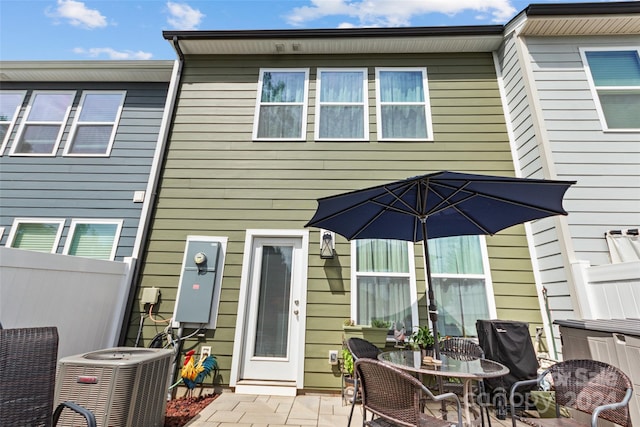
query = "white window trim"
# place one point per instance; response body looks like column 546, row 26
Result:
column 413, row 289
column 75, row 222
column 305, row 104
column 364, row 103
column 18, row 221
column 488, row 283
column 26, row 122
column 77, row 123
column 13, row 120
column 426, row 103
column 594, row 88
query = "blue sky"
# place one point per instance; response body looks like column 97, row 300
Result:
column 132, row 29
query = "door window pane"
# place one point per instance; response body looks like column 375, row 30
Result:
column 281, row 104
column 93, row 240
column 272, row 329
column 615, row 75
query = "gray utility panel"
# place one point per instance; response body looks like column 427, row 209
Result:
column 195, row 293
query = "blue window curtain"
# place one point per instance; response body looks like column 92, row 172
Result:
column 402, row 99
column 282, row 101
column 616, row 75
column 382, row 296
column 341, row 105
column 461, row 300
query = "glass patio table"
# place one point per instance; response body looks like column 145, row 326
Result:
column 467, row 371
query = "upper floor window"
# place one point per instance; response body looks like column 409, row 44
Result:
column 35, row 234
column 341, row 104
column 384, row 278
column 281, row 107
column 403, row 109
column 43, row 126
column 95, row 124
column 461, row 283
column 614, row 76
column 10, row 103
column 93, row 239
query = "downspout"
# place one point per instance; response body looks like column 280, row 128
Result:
column 141, row 243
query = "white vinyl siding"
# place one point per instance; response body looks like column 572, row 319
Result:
column 614, row 76
column 402, row 104
column 35, row 234
column 93, row 239
column 10, row 103
column 41, row 130
column 281, row 105
column 341, row 104
column 95, row 124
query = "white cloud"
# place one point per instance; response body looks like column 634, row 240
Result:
column 183, row 17
column 110, row 53
column 78, row 15
column 393, row 13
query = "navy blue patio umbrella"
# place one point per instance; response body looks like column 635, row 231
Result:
column 440, row 204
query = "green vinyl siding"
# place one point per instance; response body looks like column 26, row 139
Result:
column 217, row 181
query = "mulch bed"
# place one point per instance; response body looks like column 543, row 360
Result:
column 181, row 410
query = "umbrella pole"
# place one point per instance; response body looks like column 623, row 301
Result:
column 431, row 301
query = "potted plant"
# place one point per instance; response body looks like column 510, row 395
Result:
column 422, row 339
column 376, row 333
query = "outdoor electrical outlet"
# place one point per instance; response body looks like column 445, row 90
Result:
column 150, row 295
column 205, row 351
column 333, row 357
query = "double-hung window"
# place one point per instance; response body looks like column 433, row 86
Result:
column 93, row 239
column 383, row 282
column 95, row 124
column 614, row 76
column 40, row 235
column 281, row 107
column 10, row 103
column 461, row 283
column 41, row 131
column 402, row 104
column 341, row 104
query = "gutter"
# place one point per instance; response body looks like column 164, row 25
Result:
column 582, row 9
column 141, row 243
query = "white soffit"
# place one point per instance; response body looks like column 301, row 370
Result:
column 582, row 25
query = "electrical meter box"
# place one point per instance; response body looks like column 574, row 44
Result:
column 197, row 282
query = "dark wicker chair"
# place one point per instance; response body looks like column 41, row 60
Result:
column 28, row 359
column 360, row 349
column 465, row 349
column 593, row 387
column 395, row 397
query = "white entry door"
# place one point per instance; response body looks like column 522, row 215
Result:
column 273, row 310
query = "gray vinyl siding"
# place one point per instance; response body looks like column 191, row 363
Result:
column 605, row 164
column 87, row 187
column 217, row 181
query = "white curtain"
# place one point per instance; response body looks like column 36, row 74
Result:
column 402, row 100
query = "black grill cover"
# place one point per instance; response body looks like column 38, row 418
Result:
column 508, row 342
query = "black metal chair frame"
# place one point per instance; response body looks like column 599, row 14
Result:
column 360, row 349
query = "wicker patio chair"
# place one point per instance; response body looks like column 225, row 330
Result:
column 589, row 386
column 360, row 349
column 465, row 349
column 394, row 397
column 28, row 359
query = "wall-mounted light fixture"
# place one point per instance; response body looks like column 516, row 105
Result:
column 327, row 244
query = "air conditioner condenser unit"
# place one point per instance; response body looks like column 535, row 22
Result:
column 122, row 386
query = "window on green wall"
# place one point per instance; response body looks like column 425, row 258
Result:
column 341, row 104
column 402, row 104
column 459, row 271
column 281, row 106
column 40, row 235
column 384, row 277
column 10, row 103
column 94, row 127
column 93, row 239
column 614, row 76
